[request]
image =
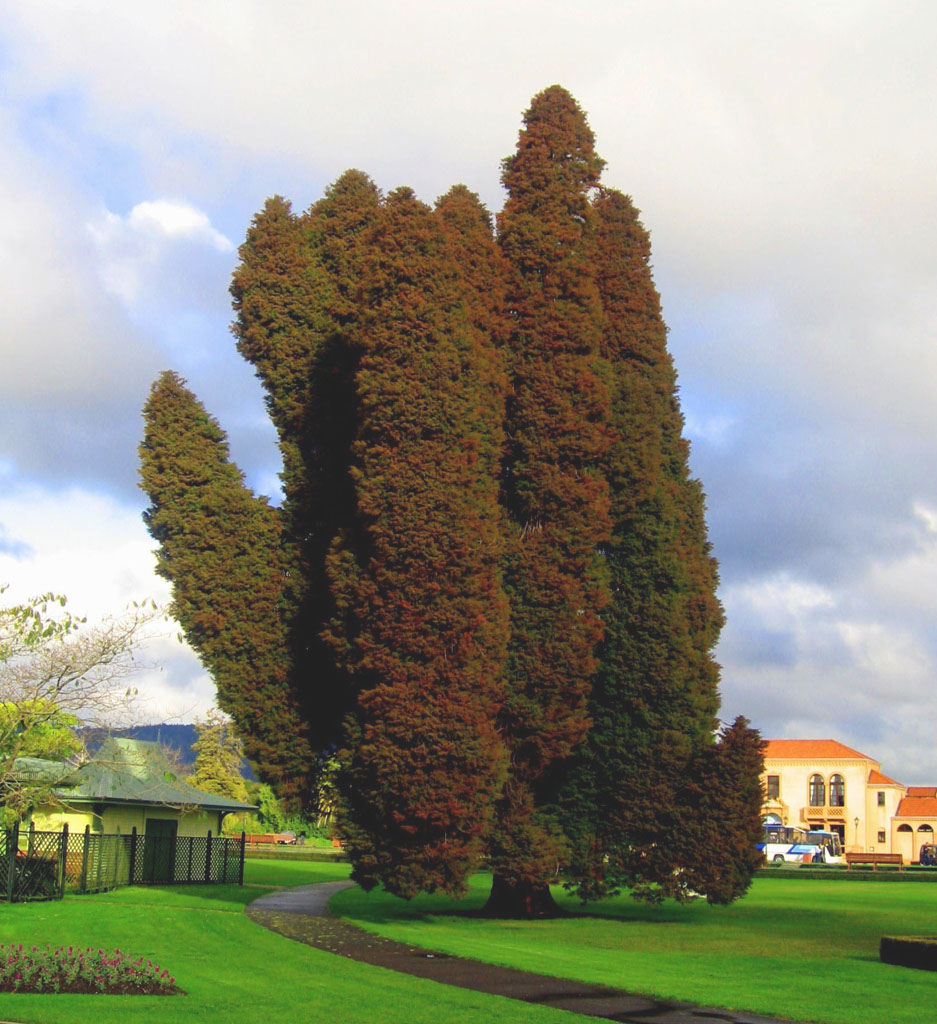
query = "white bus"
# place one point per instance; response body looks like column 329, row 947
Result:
column 830, row 847
column 788, row 843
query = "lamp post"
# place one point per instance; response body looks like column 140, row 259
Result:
column 856, row 822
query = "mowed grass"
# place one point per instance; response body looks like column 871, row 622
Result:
column 231, row 968
column 802, row 949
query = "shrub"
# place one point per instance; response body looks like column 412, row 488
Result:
column 70, row 969
column 918, row 951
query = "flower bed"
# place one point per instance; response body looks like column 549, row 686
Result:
column 70, row 969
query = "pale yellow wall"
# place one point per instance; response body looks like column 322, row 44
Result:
column 909, row 843
column 124, row 819
column 52, row 820
column 880, row 818
column 198, row 824
column 861, row 803
column 794, row 795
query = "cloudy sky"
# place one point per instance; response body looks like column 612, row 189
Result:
column 784, row 156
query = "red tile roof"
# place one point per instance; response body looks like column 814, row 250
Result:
column 811, row 750
column 922, row 790
column 877, row 779
column 918, row 806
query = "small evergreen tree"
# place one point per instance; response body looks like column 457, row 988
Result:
column 718, row 837
column 269, row 809
column 218, row 757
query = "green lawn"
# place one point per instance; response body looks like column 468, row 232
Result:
column 797, row 948
column 230, row 967
column 801, row 948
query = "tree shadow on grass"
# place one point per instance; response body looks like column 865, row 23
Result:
column 381, row 911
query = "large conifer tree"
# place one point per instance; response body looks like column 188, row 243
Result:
column 489, row 583
column 422, row 628
column 220, row 546
column 295, row 296
column 654, row 698
column 555, row 496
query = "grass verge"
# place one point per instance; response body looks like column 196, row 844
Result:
column 803, row 949
column 230, row 967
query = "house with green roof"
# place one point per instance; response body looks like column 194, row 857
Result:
column 128, row 784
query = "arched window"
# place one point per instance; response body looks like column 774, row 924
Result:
column 925, row 828
column 817, row 791
column 905, row 828
column 837, row 791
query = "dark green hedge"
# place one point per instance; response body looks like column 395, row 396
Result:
column 321, row 853
column 838, row 874
column 918, row 951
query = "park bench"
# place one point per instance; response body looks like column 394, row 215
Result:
column 270, row 839
column 874, row 859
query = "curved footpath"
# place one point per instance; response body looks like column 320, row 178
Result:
column 303, row 914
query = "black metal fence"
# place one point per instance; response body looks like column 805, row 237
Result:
column 46, row 865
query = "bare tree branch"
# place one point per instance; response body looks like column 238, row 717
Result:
column 56, row 675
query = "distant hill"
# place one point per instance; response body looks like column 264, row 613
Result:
column 178, row 738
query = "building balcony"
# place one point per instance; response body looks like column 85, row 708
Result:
column 824, row 813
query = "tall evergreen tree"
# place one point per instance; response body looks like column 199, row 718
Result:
column 467, row 228
column 654, row 698
column 219, row 546
column 422, row 619
column 295, row 296
column 489, row 537
column 555, row 496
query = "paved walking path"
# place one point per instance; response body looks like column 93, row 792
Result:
column 303, row 914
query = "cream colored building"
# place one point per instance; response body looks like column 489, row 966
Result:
column 823, row 784
column 916, row 821
column 127, row 785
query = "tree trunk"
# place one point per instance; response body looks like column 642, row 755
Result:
column 520, row 900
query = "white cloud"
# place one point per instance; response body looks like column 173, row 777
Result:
column 783, row 156
column 716, row 429
column 176, row 219
column 96, row 552
column 781, row 601
column 75, row 369
column 927, row 515
column 60, row 334
column 158, row 246
column 854, row 660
